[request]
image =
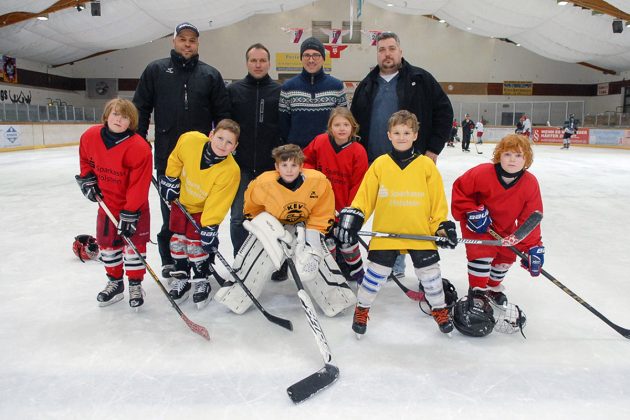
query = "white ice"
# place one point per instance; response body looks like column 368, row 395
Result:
column 63, row 357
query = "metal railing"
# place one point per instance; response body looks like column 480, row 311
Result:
column 10, row 112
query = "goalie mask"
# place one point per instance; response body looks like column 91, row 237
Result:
column 476, row 319
column 85, row 247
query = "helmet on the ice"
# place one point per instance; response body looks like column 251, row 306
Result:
column 473, row 315
column 85, row 247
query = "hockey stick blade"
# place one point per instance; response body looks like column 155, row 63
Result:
column 523, row 230
column 623, row 331
column 313, row 384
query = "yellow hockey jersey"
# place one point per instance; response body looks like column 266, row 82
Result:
column 410, row 201
column 312, row 203
column 210, row 190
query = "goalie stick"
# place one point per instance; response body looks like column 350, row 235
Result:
column 623, row 331
column 324, row 377
column 521, row 233
column 284, row 323
column 196, row 328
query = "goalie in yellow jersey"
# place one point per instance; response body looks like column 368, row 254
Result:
column 404, row 191
column 295, row 206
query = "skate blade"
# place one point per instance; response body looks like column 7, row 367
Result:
column 202, row 304
column 182, row 298
column 136, row 309
column 359, row 336
column 113, row 300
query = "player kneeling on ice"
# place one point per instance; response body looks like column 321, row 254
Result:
column 275, row 202
column 204, row 176
column 116, row 165
column 405, row 192
column 497, row 197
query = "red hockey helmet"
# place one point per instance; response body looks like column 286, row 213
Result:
column 85, row 247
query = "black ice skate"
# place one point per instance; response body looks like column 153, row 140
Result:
column 359, row 323
column 180, row 287
column 112, row 293
column 498, row 298
column 136, row 294
column 166, row 273
column 202, row 293
column 443, row 318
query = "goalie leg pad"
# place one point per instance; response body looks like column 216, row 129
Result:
column 269, row 232
column 329, row 288
column 252, row 265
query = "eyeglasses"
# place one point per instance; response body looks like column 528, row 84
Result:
column 315, row 56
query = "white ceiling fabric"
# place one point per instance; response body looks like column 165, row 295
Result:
column 566, row 33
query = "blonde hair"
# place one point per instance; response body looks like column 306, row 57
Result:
column 514, row 143
column 403, row 117
column 125, row 107
column 343, row 112
column 229, row 125
column 288, row 152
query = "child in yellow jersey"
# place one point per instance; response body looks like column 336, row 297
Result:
column 404, row 191
column 202, row 173
column 275, row 202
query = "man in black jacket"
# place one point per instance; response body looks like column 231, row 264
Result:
column 254, row 105
column 185, row 94
column 395, row 85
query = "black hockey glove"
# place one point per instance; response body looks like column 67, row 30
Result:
column 89, row 186
column 169, row 187
column 127, row 223
column 350, row 222
column 209, row 238
column 447, row 229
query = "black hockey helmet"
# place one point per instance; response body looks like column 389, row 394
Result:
column 450, row 296
column 85, row 247
column 473, row 315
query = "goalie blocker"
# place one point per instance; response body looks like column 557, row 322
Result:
column 261, row 254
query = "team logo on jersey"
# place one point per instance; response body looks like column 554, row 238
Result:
column 294, row 212
column 313, row 195
column 383, row 192
column 169, row 70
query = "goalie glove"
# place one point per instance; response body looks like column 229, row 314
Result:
column 479, row 220
column 209, row 238
column 535, row 260
column 350, row 221
column 169, row 187
column 447, row 229
column 89, row 186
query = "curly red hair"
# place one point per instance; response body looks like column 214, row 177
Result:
column 514, row 143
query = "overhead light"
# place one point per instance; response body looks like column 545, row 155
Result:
column 627, row 23
column 390, row 5
column 468, row 28
column 562, row 3
column 442, row 21
column 518, row 45
column 42, row 17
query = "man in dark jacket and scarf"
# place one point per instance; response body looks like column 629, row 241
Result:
column 184, row 94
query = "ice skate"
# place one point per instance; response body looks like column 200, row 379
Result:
column 180, row 287
column 112, row 293
column 201, row 296
column 166, row 273
column 136, row 294
column 359, row 323
column 443, row 318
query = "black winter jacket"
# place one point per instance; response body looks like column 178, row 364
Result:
column 254, row 105
column 186, row 95
column 419, row 93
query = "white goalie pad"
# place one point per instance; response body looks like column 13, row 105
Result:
column 329, row 289
column 252, row 265
column 307, row 255
column 269, row 232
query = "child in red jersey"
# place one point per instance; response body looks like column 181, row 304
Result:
column 501, row 194
column 115, row 163
column 337, row 154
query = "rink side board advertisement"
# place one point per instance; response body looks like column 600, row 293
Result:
column 10, row 136
column 555, row 135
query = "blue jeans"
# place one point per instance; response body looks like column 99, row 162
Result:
column 238, row 234
column 399, row 265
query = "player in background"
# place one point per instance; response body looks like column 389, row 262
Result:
column 288, row 212
column 115, row 164
column 527, row 126
column 404, row 191
column 453, row 135
column 502, row 195
column 479, row 129
column 570, row 128
column 338, row 155
column 204, row 176
column 468, row 126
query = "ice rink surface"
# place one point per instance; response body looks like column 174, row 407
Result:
column 63, row 357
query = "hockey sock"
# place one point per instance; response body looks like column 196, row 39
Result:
column 431, row 279
column 112, row 258
column 497, row 274
column 178, row 246
column 352, row 256
column 375, row 276
column 479, row 272
column 198, row 258
column 133, row 264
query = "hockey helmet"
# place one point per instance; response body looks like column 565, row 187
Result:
column 473, row 316
column 85, row 247
column 450, row 296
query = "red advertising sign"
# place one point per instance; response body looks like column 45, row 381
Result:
column 555, row 135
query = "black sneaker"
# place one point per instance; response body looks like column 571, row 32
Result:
column 359, row 323
column 136, row 294
column 112, row 293
column 281, row 275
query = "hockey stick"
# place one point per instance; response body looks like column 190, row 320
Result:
column 284, row 323
column 477, row 149
column 623, row 331
column 411, row 294
column 324, row 377
column 196, row 328
column 521, row 233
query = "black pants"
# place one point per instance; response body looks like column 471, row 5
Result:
column 420, row 258
column 466, row 140
column 238, row 234
column 164, row 235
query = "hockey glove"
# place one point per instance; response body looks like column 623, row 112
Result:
column 169, row 187
column 350, row 221
column 447, row 229
column 127, row 223
column 478, row 221
column 534, row 261
column 89, row 186
column 209, row 238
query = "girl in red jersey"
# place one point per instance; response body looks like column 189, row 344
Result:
column 338, row 155
column 502, row 194
column 115, row 163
